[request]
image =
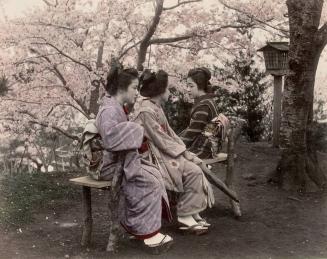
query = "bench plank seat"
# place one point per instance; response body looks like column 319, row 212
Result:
column 89, row 182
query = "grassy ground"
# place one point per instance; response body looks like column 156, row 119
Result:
column 275, row 223
column 24, row 194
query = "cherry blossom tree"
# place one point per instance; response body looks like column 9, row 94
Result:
column 305, row 25
column 57, row 56
column 308, row 37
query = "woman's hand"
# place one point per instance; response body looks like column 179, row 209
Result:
column 197, row 160
column 188, row 155
column 192, row 157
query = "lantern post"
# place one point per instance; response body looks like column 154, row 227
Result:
column 276, row 61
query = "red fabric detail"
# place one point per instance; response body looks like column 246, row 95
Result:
column 163, row 127
column 141, row 237
column 144, row 147
column 125, row 109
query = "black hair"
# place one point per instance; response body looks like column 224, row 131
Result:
column 201, row 76
column 153, row 84
column 119, row 78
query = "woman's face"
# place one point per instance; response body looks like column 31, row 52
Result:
column 165, row 95
column 192, row 88
column 132, row 92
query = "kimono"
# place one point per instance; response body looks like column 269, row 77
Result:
column 203, row 111
column 164, row 148
column 143, row 192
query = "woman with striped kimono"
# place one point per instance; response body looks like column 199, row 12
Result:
column 203, row 111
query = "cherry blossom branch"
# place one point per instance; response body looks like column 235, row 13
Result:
column 31, row 61
column 40, row 23
column 70, row 91
column 40, row 86
column 185, row 47
column 192, row 34
column 59, row 75
column 179, row 3
column 131, row 32
column 64, row 54
column 21, row 101
column 59, row 51
column 47, row 125
column 147, row 37
column 253, row 17
column 49, row 4
column 125, row 45
column 70, row 105
column 128, row 49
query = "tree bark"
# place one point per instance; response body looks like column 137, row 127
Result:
column 145, row 43
column 95, row 93
column 299, row 165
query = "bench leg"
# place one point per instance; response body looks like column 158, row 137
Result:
column 87, row 209
column 230, row 172
column 114, row 230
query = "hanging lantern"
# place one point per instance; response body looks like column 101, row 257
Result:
column 276, row 57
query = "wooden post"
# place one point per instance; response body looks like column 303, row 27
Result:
column 230, row 171
column 87, row 210
column 278, row 82
column 113, row 203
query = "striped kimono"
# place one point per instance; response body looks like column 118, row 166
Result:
column 203, row 111
column 143, row 192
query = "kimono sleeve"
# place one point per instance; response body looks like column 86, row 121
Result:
column 199, row 120
column 155, row 134
column 118, row 135
column 175, row 136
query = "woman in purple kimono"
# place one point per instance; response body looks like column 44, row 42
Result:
column 143, row 192
column 163, row 147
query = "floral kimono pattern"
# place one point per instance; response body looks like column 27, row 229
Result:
column 164, row 148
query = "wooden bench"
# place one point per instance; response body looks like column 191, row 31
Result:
column 87, row 183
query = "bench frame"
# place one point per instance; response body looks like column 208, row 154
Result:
column 114, row 233
column 87, row 183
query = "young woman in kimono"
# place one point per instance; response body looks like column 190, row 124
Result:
column 142, row 188
column 203, row 111
column 163, row 147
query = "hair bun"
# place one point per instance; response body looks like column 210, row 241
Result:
column 147, row 76
column 113, row 74
column 161, row 75
column 206, row 71
column 153, row 84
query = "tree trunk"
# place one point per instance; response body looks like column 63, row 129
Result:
column 299, row 164
column 95, row 93
column 151, row 30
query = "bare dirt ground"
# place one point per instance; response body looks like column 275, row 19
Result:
column 275, row 223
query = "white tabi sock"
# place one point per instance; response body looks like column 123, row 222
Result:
column 188, row 221
column 156, row 239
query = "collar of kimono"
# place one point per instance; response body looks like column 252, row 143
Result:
column 124, row 107
column 155, row 102
column 202, row 98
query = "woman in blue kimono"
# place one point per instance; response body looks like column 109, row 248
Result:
column 143, row 191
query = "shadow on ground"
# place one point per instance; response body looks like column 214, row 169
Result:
column 275, row 223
